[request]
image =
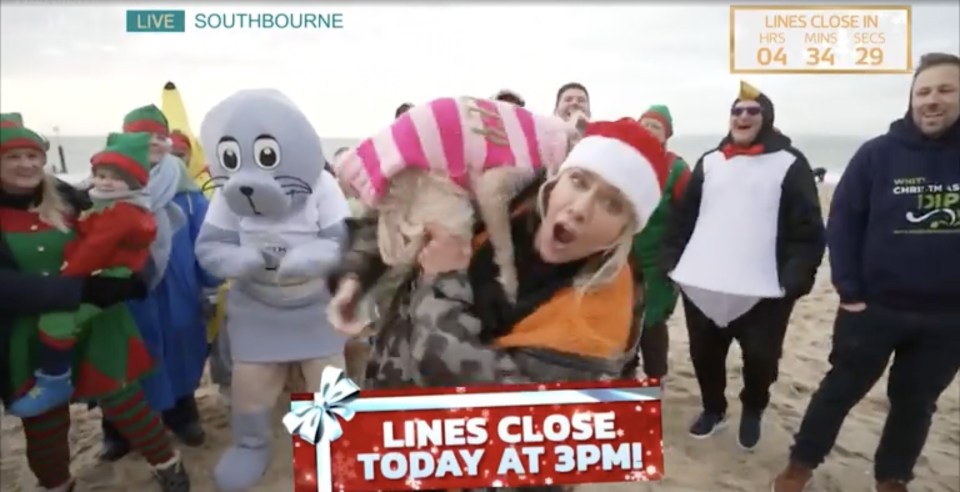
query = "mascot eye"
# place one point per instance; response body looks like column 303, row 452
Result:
column 228, row 151
column 266, row 152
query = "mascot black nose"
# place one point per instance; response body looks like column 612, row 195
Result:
column 246, row 190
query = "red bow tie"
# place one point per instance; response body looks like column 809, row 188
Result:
column 730, row 151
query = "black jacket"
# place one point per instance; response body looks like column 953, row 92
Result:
column 801, row 237
column 27, row 294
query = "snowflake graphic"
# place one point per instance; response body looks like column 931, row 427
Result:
column 413, row 483
column 635, row 476
column 344, row 467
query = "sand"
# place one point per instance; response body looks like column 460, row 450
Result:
column 716, row 464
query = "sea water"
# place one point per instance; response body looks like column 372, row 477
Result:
column 832, row 152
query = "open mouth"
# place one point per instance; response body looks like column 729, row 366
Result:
column 938, row 114
column 563, row 235
column 743, row 126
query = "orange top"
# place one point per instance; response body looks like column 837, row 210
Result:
column 595, row 324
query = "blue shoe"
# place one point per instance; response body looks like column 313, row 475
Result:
column 48, row 392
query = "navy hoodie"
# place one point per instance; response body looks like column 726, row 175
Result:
column 894, row 225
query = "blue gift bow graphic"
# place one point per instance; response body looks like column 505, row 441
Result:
column 319, row 419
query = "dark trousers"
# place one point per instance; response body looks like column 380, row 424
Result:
column 926, row 357
column 759, row 332
column 183, row 413
column 654, row 349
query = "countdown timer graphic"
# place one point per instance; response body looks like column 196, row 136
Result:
column 854, row 39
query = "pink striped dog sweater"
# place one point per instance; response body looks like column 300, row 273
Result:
column 460, row 136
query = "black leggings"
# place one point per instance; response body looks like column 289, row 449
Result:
column 760, row 333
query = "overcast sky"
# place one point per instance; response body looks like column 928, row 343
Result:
column 74, row 66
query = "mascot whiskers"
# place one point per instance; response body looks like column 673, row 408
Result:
column 275, row 227
column 452, row 161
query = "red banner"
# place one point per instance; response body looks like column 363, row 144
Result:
column 449, row 438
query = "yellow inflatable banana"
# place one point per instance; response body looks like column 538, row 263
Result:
column 172, row 107
column 219, row 316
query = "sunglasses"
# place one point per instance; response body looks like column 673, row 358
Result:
column 752, row 111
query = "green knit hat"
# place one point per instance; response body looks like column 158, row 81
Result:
column 660, row 113
column 127, row 152
column 147, row 119
column 13, row 135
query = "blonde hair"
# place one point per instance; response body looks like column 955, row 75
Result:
column 53, row 210
column 603, row 269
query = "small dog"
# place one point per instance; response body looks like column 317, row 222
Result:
column 452, row 161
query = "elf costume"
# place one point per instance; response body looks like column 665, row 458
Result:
column 113, row 239
column 660, row 297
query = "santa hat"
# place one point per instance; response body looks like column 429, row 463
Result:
column 626, row 156
column 13, row 135
column 128, row 153
column 660, row 113
column 147, row 119
column 181, row 143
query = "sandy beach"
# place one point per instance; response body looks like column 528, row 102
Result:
column 715, row 464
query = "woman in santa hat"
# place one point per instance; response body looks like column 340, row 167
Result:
column 451, row 324
column 743, row 245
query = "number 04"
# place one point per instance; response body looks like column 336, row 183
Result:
column 872, row 56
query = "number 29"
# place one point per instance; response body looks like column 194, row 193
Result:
column 869, row 56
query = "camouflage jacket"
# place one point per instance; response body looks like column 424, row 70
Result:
column 426, row 335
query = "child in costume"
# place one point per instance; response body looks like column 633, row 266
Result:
column 113, row 238
column 170, row 317
column 436, row 159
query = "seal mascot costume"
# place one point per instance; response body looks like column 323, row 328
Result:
column 276, row 226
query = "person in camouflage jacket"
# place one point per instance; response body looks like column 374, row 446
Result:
column 458, row 327
column 451, row 325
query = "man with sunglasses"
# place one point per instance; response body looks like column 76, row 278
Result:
column 743, row 259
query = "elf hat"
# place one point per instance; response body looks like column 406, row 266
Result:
column 627, row 157
column 128, row 153
column 181, row 143
column 147, row 119
column 13, row 135
column 660, row 113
